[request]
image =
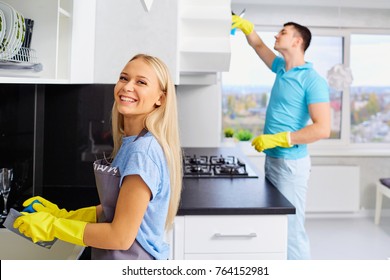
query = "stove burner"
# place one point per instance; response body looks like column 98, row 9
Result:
column 196, row 169
column 230, row 169
column 215, row 166
column 222, row 160
column 196, row 160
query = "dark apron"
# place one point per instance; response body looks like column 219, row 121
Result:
column 107, row 182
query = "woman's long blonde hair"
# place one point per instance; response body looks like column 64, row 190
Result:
column 162, row 122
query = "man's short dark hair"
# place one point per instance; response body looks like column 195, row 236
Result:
column 303, row 31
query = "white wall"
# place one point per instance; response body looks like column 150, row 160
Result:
column 199, row 115
column 124, row 29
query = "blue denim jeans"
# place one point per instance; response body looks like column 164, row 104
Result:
column 291, row 177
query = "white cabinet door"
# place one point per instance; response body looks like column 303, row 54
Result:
column 204, row 39
column 230, row 237
column 90, row 41
column 49, row 19
column 191, row 37
column 234, row 234
column 124, row 29
column 82, row 52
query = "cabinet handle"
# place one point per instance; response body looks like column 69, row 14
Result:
column 221, row 235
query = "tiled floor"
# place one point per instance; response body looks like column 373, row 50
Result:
column 349, row 238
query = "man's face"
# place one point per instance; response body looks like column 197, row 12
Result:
column 286, row 39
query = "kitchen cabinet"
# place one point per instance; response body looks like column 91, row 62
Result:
column 89, row 41
column 63, row 41
column 230, row 237
column 243, row 217
column 204, row 39
column 191, row 37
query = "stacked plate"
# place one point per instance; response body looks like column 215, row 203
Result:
column 12, row 31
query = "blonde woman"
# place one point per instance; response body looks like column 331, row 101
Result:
column 147, row 155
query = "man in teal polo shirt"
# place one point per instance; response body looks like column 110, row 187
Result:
column 299, row 94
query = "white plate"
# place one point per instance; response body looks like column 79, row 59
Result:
column 8, row 15
column 16, row 35
column 8, row 44
column 2, row 26
column 20, row 33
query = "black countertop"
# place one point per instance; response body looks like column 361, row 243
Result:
column 230, row 196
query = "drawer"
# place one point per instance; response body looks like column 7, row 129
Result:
column 235, row 234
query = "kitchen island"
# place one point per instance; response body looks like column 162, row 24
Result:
column 236, row 217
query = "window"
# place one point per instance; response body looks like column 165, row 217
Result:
column 325, row 52
column 370, row 91
column 247, row 86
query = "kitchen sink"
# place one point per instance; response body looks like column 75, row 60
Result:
column 14, row 247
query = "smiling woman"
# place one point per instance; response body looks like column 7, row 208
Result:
column 137, row 93
column 136, row 209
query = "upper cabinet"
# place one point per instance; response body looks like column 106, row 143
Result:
column 191, row 37
column 204, row 38
column 90, row 41
column 50, row 42
column 59, row 35
column 126, row 28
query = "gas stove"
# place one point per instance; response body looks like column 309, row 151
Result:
column 198, row 165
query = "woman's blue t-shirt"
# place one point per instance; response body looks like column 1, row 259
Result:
column 146, row 158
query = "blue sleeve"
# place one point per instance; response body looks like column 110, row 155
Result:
column 317, row 91
column 141, row 164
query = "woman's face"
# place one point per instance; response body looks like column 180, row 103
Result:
column 137, row 91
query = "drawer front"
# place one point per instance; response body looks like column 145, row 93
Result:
column 235, row 234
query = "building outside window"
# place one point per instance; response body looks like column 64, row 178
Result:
column 370, row 92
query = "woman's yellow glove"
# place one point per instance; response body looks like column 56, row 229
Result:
column 269, row 141
column 42, row 226
column 245, row 25
column 87, row 214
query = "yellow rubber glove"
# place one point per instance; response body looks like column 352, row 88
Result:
column 42, row 226
column 269, row 141
column 245, row 25
column 87, row 214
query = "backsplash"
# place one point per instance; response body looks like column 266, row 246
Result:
column 72, row 129
column 17, row 137
column 77, row 131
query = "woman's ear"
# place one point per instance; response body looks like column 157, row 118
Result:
column 160, row 100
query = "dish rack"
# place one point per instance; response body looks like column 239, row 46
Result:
column 25, row 59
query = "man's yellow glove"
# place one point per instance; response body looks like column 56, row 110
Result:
column 269, row 141
column 245, row 25
column 87, row 214
column 42, row 226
